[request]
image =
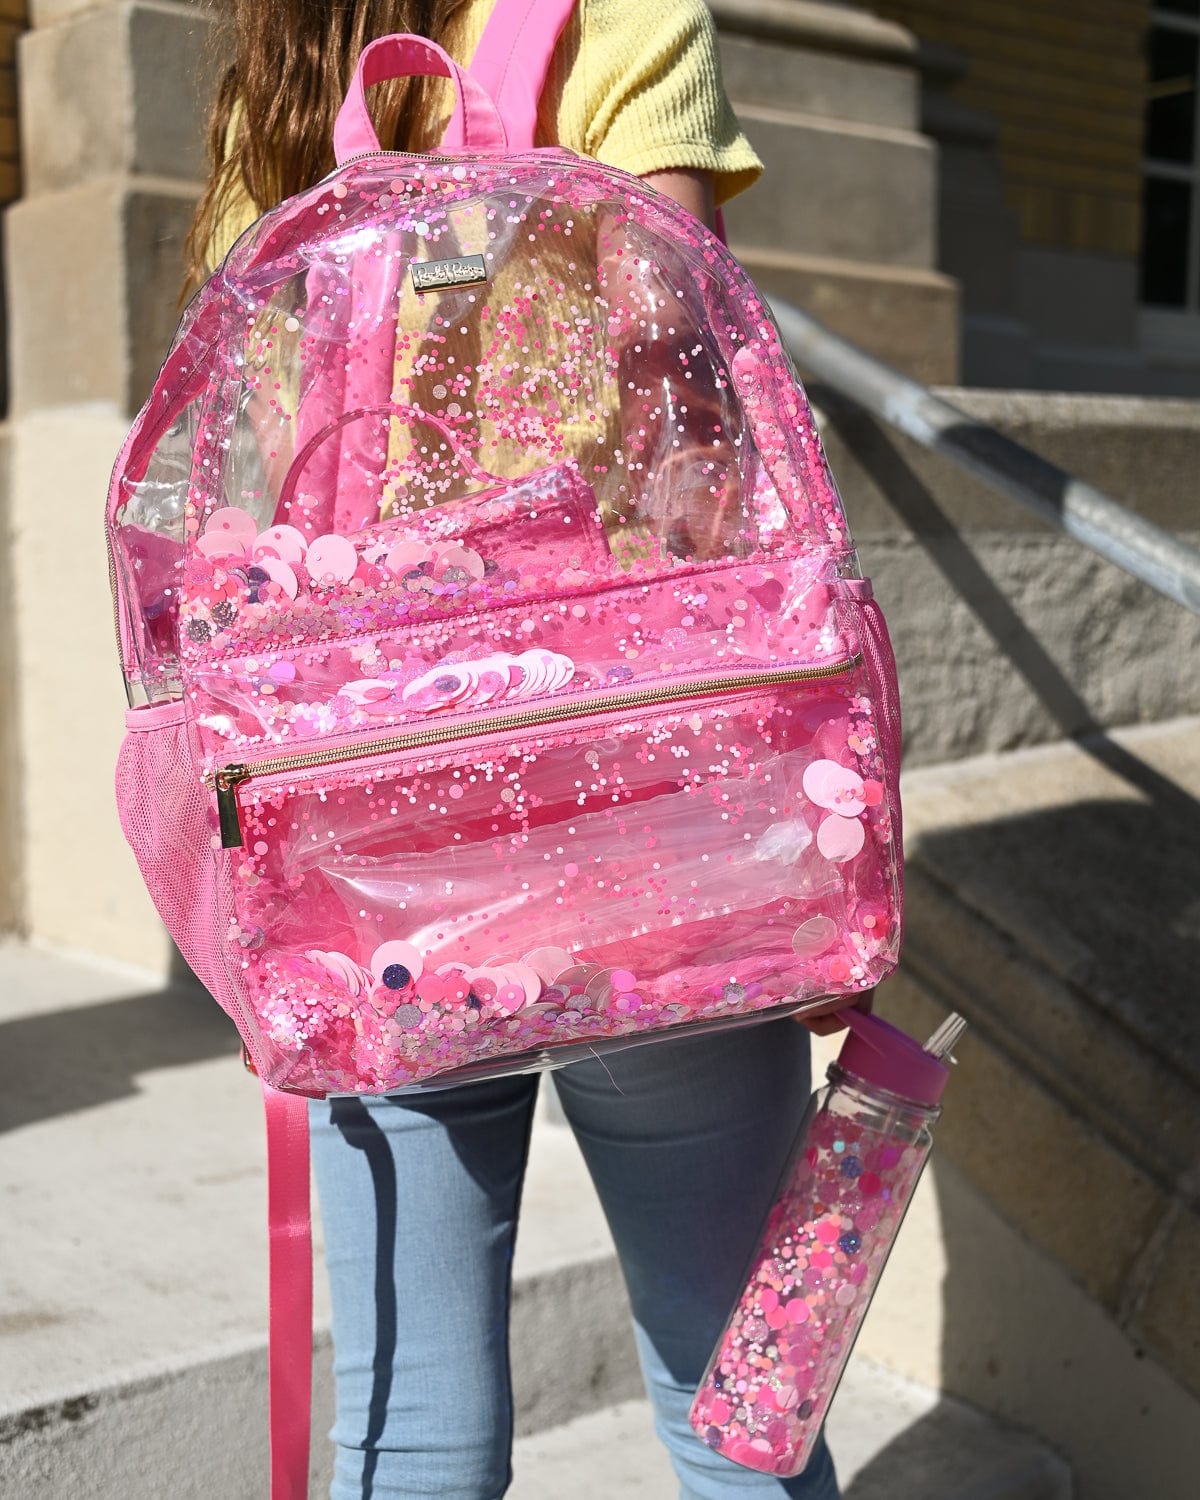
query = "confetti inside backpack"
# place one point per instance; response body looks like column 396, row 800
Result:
column 505, row 684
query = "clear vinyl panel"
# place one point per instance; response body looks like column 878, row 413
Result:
column 147, row 549
column 404, row 914
column 581, row 417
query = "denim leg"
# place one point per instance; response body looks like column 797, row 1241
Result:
column 685, row 1141
column 419, row 1200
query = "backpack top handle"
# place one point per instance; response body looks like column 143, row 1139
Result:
column 496, row 99
column 475, row 126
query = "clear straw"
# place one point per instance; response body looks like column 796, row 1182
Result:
column 946, row 1036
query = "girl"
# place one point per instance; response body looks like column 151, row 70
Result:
column 684, row 1139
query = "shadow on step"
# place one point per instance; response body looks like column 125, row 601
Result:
column 948, row 1455
column 66, row 1061
column 953, row 554
column 1104, row 895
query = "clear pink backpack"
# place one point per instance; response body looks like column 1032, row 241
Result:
column 505, row 685
column 510, row 686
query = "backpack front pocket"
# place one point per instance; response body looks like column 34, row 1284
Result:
column 583, row 870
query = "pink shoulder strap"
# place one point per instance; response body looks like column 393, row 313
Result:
column 513, row 58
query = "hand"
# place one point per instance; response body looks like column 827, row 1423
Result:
column 826, row 1022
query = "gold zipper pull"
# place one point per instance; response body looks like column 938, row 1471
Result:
column 225, row 783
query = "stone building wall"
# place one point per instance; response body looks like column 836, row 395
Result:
column 1066, row 84
column 1038, row 112
column 14, row 19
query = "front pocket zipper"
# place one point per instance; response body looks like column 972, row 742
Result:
column 225, row 780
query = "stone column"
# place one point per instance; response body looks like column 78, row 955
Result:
column 13, row 20
column 844, row 223
column 110, row 110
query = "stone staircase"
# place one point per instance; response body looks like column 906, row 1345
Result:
column 1051, row 896
column 133, row 1298
column 846, row 226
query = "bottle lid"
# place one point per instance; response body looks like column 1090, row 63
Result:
column 888, row 1058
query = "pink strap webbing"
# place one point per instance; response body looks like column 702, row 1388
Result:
column 289, row 1223
column 513, row 58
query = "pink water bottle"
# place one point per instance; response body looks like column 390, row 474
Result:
column 848, row 1181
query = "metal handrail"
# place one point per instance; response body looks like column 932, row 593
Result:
column 1109, row 528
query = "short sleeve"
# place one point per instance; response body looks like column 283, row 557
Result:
column 646, row 93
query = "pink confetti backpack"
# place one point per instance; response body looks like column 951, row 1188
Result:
column 505, row 684
column 510, row 688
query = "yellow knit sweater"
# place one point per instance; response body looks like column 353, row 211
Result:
column 633, row 84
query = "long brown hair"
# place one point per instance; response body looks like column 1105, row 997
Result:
column 292, row 62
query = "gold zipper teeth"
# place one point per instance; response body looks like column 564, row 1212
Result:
column 423, row 156
column 367, row 156
column 228, row 777
column 112, row 588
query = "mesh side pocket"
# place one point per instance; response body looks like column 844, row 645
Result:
column 164, row 815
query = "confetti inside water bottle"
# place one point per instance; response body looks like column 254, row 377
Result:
column 849, row 1179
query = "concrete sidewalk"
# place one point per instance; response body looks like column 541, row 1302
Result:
column 133, row 1301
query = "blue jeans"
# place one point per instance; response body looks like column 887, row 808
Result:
column 419, row 1199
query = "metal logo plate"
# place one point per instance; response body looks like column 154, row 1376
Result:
column 435, row 275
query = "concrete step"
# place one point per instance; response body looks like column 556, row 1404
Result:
column 1051, row 898
column 892, row 1440
column 904, row 314
column 853, row 191
column 133, row 1302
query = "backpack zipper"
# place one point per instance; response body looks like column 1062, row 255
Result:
column 225, row 780
column 441, row 156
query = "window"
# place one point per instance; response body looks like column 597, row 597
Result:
column 1170, row 267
